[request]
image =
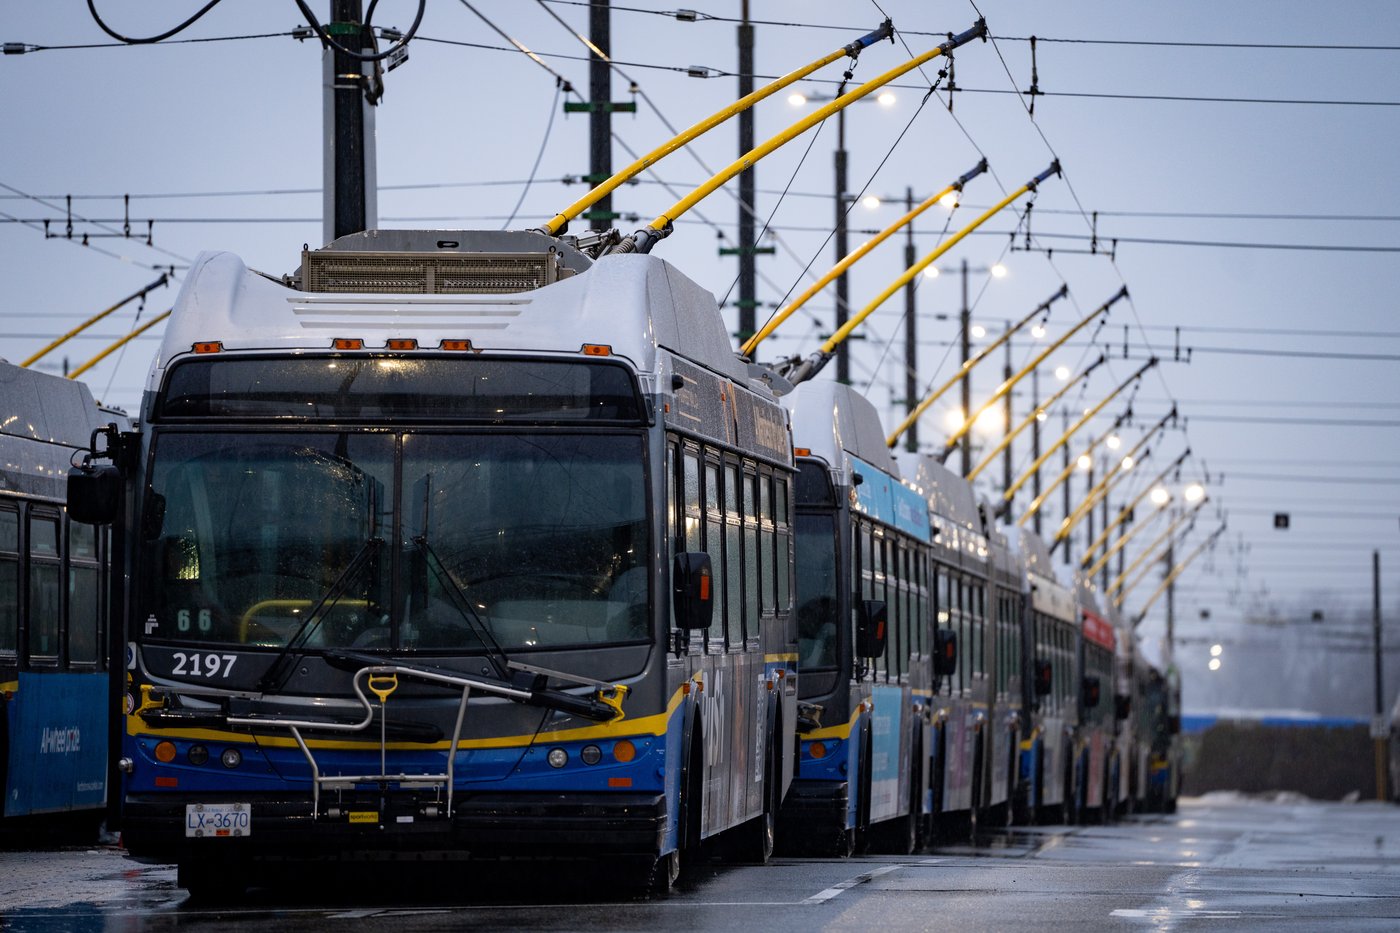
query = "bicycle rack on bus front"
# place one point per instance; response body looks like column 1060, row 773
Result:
column 382, row 681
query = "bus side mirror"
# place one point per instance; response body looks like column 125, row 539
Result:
column 692, row 590
column 1044, row 678
column 870, row 628
column 945, row 652
column 94, row 494
column 1090, row 689
column 1122, row 705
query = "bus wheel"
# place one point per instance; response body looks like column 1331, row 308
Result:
column 665, row 872
column 752, row 841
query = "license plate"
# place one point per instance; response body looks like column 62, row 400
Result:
column 216, row 820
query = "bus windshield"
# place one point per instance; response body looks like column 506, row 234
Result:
column 395, row 542
column 817, row 598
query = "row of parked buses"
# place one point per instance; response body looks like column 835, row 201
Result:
column 476, row 543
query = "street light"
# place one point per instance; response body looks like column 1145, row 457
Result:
column 886, row 100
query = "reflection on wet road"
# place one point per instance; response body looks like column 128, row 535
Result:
column 1222, row 859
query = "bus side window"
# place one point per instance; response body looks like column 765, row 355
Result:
column 9, row 579
column 725, row 630
column 784, row 530
column 767, row 565
column 44, row 601
column 739, row 625
column 748, row 480
column 691, row 461
column 83, row 597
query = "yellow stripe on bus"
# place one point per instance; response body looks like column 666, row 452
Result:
column 625, row 728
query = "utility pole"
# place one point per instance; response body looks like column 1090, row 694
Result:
column 747, row 292
column 911, row 346
column 1168, row 563
column 600, row 109
column 1064, row 419
column 843, row 362
column 350, row 186
column 1007, row 373
column 1378, row 729
column 1035, row 443
column 1088, row 490
column 1104, row 585
column 966, row 318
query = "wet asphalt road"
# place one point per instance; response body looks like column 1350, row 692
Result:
column 1221, row 863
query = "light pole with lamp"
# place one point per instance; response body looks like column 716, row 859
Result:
column 843, row 200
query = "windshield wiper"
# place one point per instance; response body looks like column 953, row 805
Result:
column 464, row 608
column 280, row 669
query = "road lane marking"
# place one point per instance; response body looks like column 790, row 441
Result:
column 821, row 897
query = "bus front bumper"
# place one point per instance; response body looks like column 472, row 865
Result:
column 482, row 825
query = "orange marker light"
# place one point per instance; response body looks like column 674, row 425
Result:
column 816, row 750
column 209, row 346
column 624, row 750
column 596, row 349
column 165, row 752
column 349, row 343
column 402, row 343
column 455, row 345
column 619, row 782
column 802, row 451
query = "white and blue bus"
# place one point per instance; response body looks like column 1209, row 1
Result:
column 866, row 633
column 53, row 592
column 454, row 541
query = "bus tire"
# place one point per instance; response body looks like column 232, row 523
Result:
column 863, row 788
column 752, row 842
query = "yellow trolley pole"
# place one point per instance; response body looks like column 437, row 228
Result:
column 118, row 345
column 560, row 222
column 1151, row 551
column 814, row 363
column 1068, row 471
column 1122, row 542
column 644, row 239
column 1042, row 309
column 1029, row 419
column 1064, row 439
column 164, row 279
column 1117, row 472
column 1127, row 510
column 854, row 256
column 1009, row 384
column 1174, row 573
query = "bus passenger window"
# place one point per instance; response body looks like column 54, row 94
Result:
column 82, row 594
column 43, row 587
column 733, row 555
column 692, row 501
column 9, row 580
column 714, row 546
column 750, row 553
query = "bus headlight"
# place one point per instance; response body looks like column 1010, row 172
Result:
column 231, row 758
column 557, row 758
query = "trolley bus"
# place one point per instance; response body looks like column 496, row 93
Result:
column 53, row 592
column 1048, row 785
column 967, row 732
column 865, row 641
column 453, row 541
column 1097, row 763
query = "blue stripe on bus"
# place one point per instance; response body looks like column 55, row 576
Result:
column 885, row 499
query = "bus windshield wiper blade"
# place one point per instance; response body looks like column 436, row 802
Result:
column 464, row 608
column 278, row 671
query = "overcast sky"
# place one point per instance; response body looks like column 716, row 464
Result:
column 1291, row 388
